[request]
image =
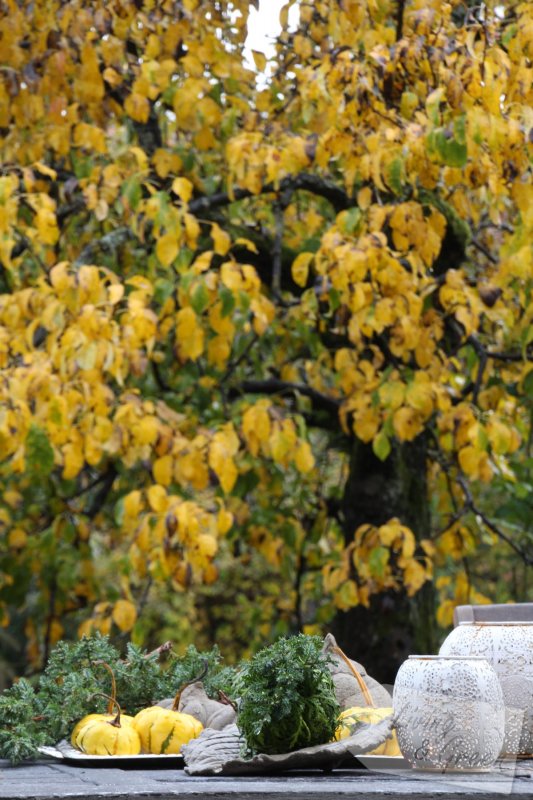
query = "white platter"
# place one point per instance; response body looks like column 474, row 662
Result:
column 63, row 751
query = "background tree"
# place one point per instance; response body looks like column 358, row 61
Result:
column 265, row 332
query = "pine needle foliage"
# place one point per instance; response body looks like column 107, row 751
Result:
column 68, row 689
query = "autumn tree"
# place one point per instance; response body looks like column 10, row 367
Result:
column 265, row 328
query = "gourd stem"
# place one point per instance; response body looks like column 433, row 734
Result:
column 362, row 685
column 115, row 722
column 183, row 686
column 227, row 701
column 112, row 699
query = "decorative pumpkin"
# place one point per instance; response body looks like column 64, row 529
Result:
column 166, row 730
column 163, row 730
column 358, row 714
column 124, row 720
column 109, row 715
column 103, row 737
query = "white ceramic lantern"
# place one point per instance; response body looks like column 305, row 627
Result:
column 449, row 713
column 503, row 634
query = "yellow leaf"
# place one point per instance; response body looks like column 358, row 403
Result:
column 17, row 538
column 124, row 615
column 115, row 293
column 163, row 470
column 221, row 240
column 224, row 521
column 189, row 335
column 259, row 60
column 45, row 170
column 407, row 424
column 256, row 426
column 246, row 243
column 207, row 545
column 192, row 230
column 157, row 498
column 73, row 460
column 183, row 188
column 166, row 249
column 146, row 430
column 300, row 268
column 231, row 277
column 304, row 459
column 469, row 460
column 366, row 423
column 218, row 351
column 133, row 504
column 414, row 576
column 137, row 107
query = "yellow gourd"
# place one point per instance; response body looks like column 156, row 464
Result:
column 166, row 730
column 163, row 730
column 109, row 715
column 357, row 714
column 103, row 737
column 352, row 716
column 124, row 720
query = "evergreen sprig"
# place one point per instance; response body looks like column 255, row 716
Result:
column 67, row 690
column 287, row 697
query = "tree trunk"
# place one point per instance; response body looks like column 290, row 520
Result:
column 395, row 626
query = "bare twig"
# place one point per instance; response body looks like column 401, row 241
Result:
column 482, row 249
column 276, row 255
column 232, row 366
column 107, row 244
column 471, row 506
column 399, row 19
column 275, row 386
column 304, row 181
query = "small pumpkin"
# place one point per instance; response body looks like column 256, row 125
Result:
column 163, row 730
column 166, row 730
column 103, row 737
column 109, row 715
column 359, row 714
column 124, row 720
column 350, row 717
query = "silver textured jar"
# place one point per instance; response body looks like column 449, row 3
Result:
column 449, row 713
column 504, row 636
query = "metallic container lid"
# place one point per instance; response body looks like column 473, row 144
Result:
column 499, row 613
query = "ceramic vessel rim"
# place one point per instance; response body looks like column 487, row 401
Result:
column 488, row 624
column 449, row 658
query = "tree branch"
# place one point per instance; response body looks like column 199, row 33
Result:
column 102, row 493
column 471, row 506
column 307, row 182
column 483, row 249
column 320, row 401
column 399, row 19
column 108, row 243
column 277, row 254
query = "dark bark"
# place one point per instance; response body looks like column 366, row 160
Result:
column 382, row 636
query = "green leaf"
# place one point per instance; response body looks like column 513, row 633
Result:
column 452, row 152
column 228, row 301
column 200, row 298
column 132, row 191
column 334, row 299
column 395, row 175
column 528, row 385
column 39, row 453
column 377, row 561
column 351, row 220
column 381, row 446
column 163, row 289
column 118, row 514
